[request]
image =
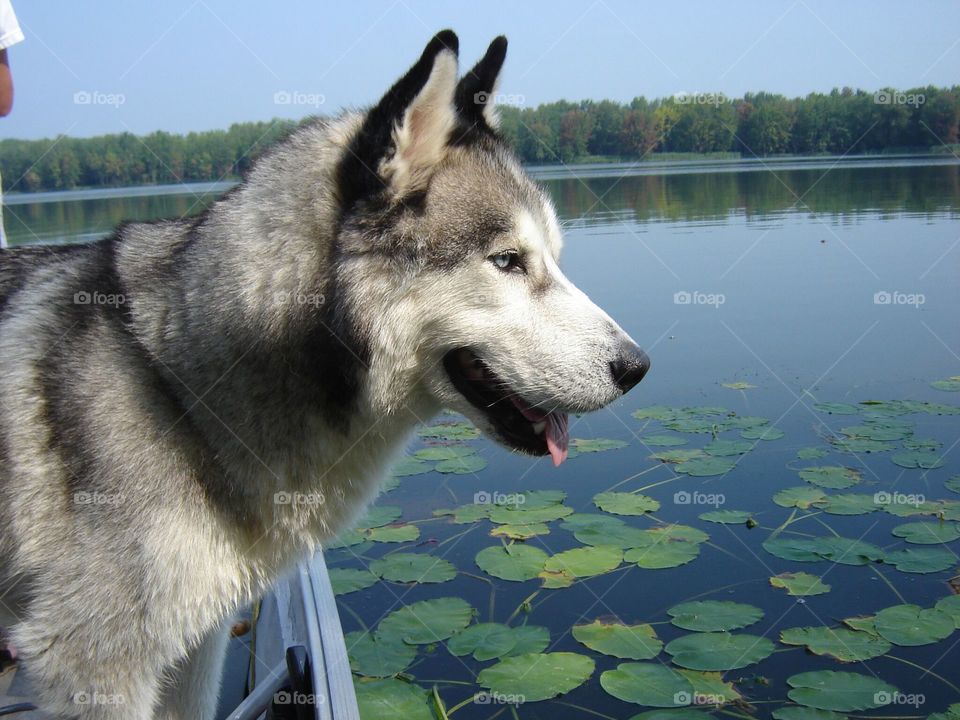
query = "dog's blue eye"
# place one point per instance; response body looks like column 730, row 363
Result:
column 507, row 261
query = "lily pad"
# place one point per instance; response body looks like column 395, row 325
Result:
column 840, row 691
column 714, row 615
column 390, row 699
column 878, row 431
column 449, row 431
column 848, row 504
column 918, row 459
column 427, row 621
column 649, row 684
column 710, row 688
column 858, row 446
column 466, row 514
column 676, row 456
column 444, row 452
column 928, row 533
column 537, row 676
column 726, row 517
column 948, row 385
column 663, row 440
column 485, row 641
column 512, row 562
column 394, row 533
column 408, row 466
column 522, row 515
column 799, row 712
column 585, row 561
column 801, row 496
column 520, row 532
column 837, row 408
column 847, row 551
column 662, row 555
column 624, row 503
column 677, row 532
column 912, row 625
column 921, row 560
column 953, row 484
column 529, row 639
column 831, row 476
column 739, row 385
column 811, row 453
column 762, row 433
column 952, row 713
column 348, row 580
column 376, row 656
column 615, row 533
column 950, row 605
column 631, row 642
column 379, row 515
column 593, row 445
column 466, row 465
column 800, row 584
column 413, row 567
column 841, row 643
column 719, row 651
column 727, row 448
column 705, row 466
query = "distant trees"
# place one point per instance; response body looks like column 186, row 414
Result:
column 758, row 124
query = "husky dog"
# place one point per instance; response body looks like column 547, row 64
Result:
column 162, row 388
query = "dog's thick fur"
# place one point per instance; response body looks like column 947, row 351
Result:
column 160, row 388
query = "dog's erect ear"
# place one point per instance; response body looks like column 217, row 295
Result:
column 477, row 89
column 405, row 135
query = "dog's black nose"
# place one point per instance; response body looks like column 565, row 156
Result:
column 630, row 367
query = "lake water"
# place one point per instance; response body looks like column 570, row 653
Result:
column 798, row 283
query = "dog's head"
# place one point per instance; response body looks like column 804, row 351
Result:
column 457, row 251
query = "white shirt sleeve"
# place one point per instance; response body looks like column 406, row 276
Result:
column 10, row 32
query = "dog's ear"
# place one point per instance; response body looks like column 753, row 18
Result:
column 477, row 89
column 405, row 135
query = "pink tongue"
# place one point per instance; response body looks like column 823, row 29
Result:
column 558, row 436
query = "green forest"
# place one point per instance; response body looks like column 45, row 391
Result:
column 844, row 121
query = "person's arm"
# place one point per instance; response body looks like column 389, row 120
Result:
column 6, row 85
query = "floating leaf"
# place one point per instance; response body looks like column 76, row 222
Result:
column 665, row 554
column 843, row 644
column 837, row 408
column 837, row 549
column 739, row 385
column 449, row 431
column 921, row 560
column 408, row 466
column 950, row 605
column 705, row 466
column 676, row 456
column 928, row 533
column 799, row 712
column 726, row 517
column 858, row 446
column 631, row 642
column 394, row 533
column 466, row 465
column 593, row 445
column 379, row 515
column 427, row 621
column 585, row 561
column 727, row 448
column 714, row 615
column 390, row 699
column 918, row 459
column 840, row 691
column 520, row 532
column 512, row 562
column 801, row 496
column 654, row 412
column 719, row 651
column 800, row 584
column 762, row 433
column 953, row 484
column 952, row 713
column 683, row 533
column 537, row 676
column 848, row 504
column 663, row 440
column 710, row 688
column 878, row 431
column 444, row 452
column 556, row 580
column 348, row 580
column 466, row 514
column 684, row 713
column 649, row 684
column 348, row 538
column 811, row 453
column 485, row 641
column 377, row 657
column 413, row 567
column 522, row 515
column 624, row 503
column 913, row 625
column 615, row 532
column 949, row 385
column 831, row 476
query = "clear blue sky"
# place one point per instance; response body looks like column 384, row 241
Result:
column 182, row 65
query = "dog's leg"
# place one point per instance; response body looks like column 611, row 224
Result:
column 194, row 685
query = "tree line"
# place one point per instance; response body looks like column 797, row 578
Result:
column 843, row 121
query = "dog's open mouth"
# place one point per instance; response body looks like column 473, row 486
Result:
column 522, row 425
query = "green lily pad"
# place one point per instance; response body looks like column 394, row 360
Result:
column 585, row 561
column 624, row 503
column 877, row 431
column 593, row 445
column 449, row 431
column 861, row 623
column 512, row 562
column 631, row 642
column 798, row 549
column 840, row 691
column 676, row 456
column 378, row 516
column 466, row 465
column 662, row 555
column 522, row 515
column 953, row 484
column 860, row 446
column 377, row 657
column 348, row 538
column 677, row 532
column 556, row 580
column 444, row 452
column 811, row 453
column 836, row 549
column 705, row 466
column 466, row 514
column 427, row 621
column 617, row 533
column 649, row 684
column 663, row 440
column 654, row 412
column 537, row 676
column 714, row 615
column 801, row 496
column 921, row 560
column 928, row 444
column 485, row 641
column 800, row 584
column 837, row 408
column 520, row 532
column 952, row 713
column 710, row 688
column 799, row 712
column 684, row 713
column 739, row 385
column 726, row 517
column 529, row 639
column 912, row 625
column 762, row 433
column 408, row 466
column 391, row 698
column 831, row 477
column 719, row 651
column 394, row 533
column 950, row 605
column 727, row 448
column 949, row 385
column 848, row 504
column 928, row 533
column 413, row 567
column 918, row 459
column 348, row 580
column 841, row 643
